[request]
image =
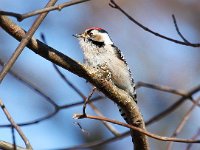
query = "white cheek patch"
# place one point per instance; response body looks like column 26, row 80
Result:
column 106, row 38
column 102, row 37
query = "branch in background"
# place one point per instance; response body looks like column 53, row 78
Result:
column 166, row 89
column 50, row 115
column 174, row 106
column 31, row 86
column 194, row 137
column 182, row 123
column 24, row 138
column 95, row 144
column 162, row 138
column 47, row 98
column 21, row 17
column 113, row 4
column 24, row 41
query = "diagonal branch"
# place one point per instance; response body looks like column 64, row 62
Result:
column 24, row 138
column 194, row 137
column 96, row 77
column 182, row 123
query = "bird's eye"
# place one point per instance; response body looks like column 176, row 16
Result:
column 91, row 34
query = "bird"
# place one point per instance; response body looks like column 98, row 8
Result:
column 100, row 51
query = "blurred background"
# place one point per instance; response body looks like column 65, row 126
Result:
column 151, row 59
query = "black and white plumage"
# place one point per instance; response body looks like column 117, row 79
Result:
column 99, row 50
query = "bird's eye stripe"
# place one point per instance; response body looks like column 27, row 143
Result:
column 89, row 31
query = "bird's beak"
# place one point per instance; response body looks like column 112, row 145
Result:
column 78, row 35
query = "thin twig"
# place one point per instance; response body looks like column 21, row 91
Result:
column 160, row 88
column 178, row 31
column 24, row 42
column 24, row 138
column 182, row 123
column 166, row 89
column 113, row 4
column 162, row 138
column 59, row 7
column 87, row 99
column 82, row 129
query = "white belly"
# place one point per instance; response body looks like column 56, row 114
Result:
column 106, row 56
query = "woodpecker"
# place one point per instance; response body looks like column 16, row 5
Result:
column 99, row 50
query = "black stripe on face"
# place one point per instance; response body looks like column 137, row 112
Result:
column 98, row 44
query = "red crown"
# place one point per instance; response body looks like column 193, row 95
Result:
column 95, row 28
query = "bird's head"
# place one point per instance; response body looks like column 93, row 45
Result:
column 95, row 35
